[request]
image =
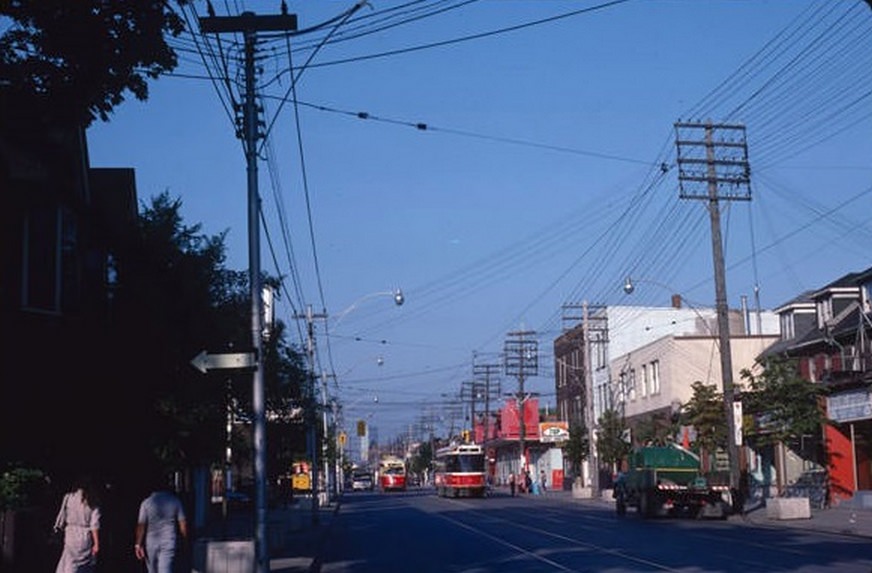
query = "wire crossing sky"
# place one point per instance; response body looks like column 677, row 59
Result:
column 498, row 159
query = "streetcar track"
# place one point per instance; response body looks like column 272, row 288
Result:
column 605, row 550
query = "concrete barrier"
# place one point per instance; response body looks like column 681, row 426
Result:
column 236, row 556
column 581, row 492
column 862, row 499
column 788, row 508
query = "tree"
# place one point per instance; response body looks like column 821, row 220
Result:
column 576, row 449
column 176, row 298
column 658, row 430
column 705, row 412
column 786, row 408
column 612, row 445
column 75, row 61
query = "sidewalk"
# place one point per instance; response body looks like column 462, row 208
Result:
column 294, row 541
column 846, row 518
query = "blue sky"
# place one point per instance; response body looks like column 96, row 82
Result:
column 537, row 182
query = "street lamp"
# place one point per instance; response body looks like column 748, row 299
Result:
column 731, row 408
column 310, row 317
column 397, row 295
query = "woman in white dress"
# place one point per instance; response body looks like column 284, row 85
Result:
column 79, row 518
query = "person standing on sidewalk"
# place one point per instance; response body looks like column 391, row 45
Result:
column 160, row 527
column 512, row 483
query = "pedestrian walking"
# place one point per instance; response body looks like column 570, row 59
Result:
column 528, row 481
column 543, row 481
column 161, row 529
column 512, row 483
column 79, row 519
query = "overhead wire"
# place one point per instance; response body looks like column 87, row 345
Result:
column 671, row 216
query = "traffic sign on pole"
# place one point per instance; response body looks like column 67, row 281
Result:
column 204, row 362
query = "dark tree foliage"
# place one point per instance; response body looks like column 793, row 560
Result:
column 658, row 430
column 577, row 448
column 784, row 406
column 422, row 459
column 612, row 446
column 705, row 412
column 178, row 299
column 75, row 61
column 285, row 378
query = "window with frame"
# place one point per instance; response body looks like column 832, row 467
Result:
column 645, row 381
column 655, row 377
column 50, row 275
column 787, row 327
column 824, row 311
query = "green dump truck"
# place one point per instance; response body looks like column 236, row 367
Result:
column 667, row 481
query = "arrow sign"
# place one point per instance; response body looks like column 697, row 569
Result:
column 205, row 361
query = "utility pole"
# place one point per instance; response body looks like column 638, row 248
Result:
column 472, row 391
column 249, row 24
column 594, row 319
column 715, row 170
column 521, row 354
column 487, row 371
column 588, row 401
column 312, row 437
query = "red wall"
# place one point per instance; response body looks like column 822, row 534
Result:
column 510, row 426
column 841, row 470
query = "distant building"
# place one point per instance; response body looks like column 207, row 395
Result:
column 644, row 359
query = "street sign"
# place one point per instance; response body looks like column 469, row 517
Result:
column 231, row 360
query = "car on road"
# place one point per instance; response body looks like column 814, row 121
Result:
column 361, row 481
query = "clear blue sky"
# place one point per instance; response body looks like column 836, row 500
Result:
column 538, row 180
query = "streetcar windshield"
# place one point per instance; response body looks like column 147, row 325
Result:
column 458, row 463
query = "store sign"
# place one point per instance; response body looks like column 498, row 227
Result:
column 550, row 432
column 850, row 406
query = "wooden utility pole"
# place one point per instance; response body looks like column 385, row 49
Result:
column 713, row 166
column 250, row 24
column 521, row 354
column 487, row 371
column 593, row 319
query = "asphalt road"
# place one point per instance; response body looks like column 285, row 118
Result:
column 417, row 531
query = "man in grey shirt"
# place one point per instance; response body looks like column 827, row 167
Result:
column 160, row 523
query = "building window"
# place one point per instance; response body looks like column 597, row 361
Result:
column 645, row 381
column 50, row 277
column 631, row 385
column 655, row 377
column 824, row 311
column 787, row 330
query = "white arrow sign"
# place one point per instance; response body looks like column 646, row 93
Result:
column 205, row 361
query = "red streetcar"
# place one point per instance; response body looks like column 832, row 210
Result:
column 392, row 474
column 460, row 471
